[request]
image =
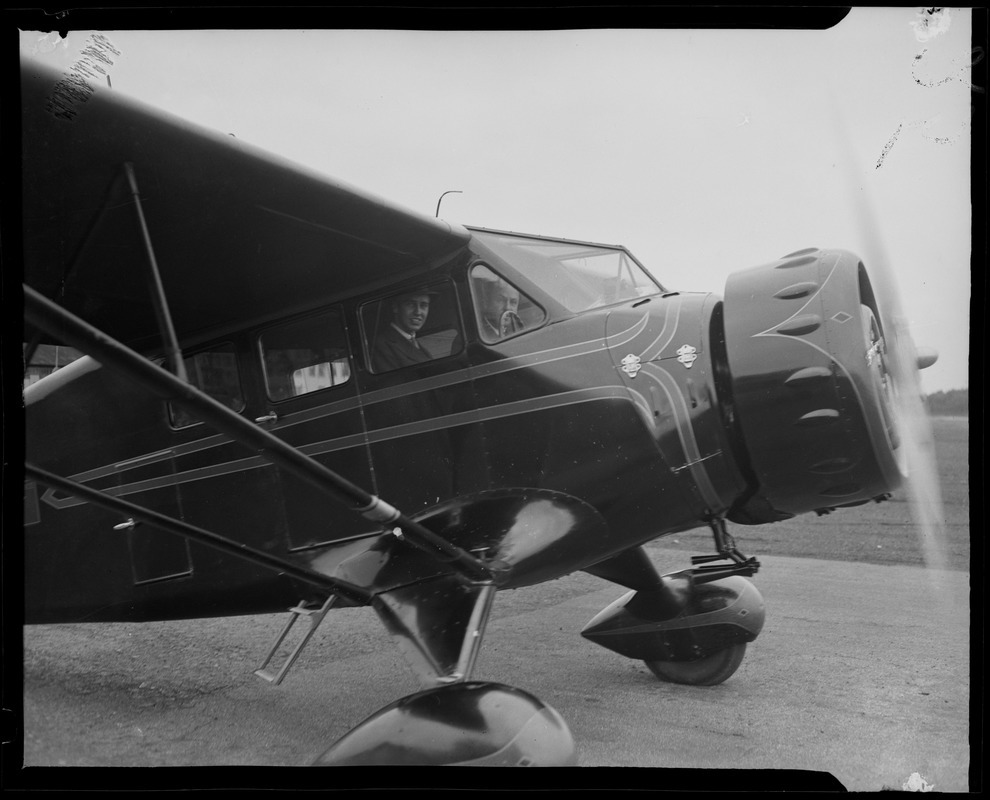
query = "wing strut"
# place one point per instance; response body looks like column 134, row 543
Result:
column 173, row 354
column 43, row 313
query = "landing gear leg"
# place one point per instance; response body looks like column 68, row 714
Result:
column 438, row 625
column 726, row 547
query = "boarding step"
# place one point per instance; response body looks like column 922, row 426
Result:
column 315, row 617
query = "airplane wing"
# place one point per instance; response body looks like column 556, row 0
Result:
column 238, row 234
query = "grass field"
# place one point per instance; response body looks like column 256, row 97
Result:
column 878, row 533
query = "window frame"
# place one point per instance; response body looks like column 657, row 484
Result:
column 367, row 329
column 171, row 407
column 501, row 245
column 477, row 304
column 348, row 359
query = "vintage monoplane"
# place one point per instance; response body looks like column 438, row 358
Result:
column 297, row 396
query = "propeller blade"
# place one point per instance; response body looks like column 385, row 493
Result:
column 898, row 362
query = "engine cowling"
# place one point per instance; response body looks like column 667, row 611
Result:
column 809, row 392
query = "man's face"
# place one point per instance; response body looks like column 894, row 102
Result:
column 502, row 298
column 411, row 312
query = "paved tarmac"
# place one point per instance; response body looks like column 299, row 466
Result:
column 861, row 672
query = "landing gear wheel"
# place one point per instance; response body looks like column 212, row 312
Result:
column 706, row 671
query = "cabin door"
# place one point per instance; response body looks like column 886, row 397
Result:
column 418, row 398
column 224, row 486
column 308, row 397
column 155, row 555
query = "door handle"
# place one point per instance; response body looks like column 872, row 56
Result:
column 270, row 417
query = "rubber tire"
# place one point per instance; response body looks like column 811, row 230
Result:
column 707, row 671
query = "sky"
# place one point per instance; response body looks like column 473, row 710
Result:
column 702, row 151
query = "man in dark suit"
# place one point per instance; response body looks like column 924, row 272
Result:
column 396, row 346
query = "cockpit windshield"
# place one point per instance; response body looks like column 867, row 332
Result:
column 578, row 275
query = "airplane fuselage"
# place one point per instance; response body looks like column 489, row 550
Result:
column 552, row 413
column 612, row 413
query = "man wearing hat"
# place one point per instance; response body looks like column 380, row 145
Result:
column 396, row 345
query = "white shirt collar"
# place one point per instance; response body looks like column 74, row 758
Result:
column 408, row 336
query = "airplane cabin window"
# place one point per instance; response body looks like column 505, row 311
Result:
column 501, row 309
column 305, row 356
column 214, row 372
column 412, row 327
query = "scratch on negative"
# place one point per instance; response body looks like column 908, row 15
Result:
column 74, row 88
column 890, row 144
